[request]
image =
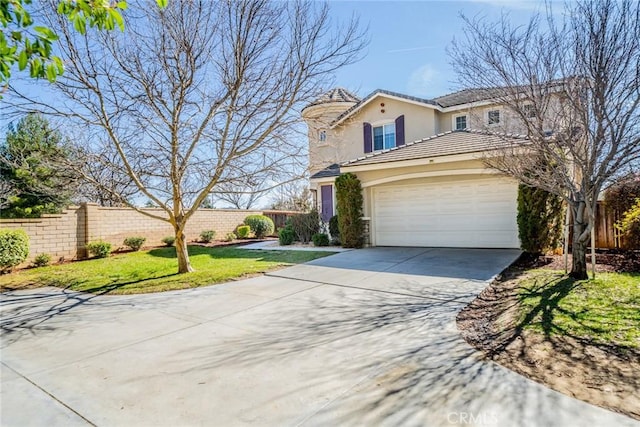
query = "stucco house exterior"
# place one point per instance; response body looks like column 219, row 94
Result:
column 421, row 165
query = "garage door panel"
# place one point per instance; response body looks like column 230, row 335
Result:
column 474, row 213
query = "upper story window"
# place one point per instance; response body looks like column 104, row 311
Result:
column 460, row 122
column 493, row 117
column 322, row 135
column 384, row 137
column 529, row 111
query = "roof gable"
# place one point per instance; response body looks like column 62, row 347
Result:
column 387, row 94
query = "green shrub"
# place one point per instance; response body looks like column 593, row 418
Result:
column 286, row 236
column 350, row 206
column 169, row 240
column 14, row 248
column 540, row 216
column 135, row 243
column 260, row 225
column 99, row 249
column 230, row 237
column 42, row 260
column 207, row 236
column 320, row 239
column 305, row 225
column 334, row 230
column 243, row 231
column 629, row 225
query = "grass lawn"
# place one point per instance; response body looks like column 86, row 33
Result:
column 155, row 270
column 604, row 311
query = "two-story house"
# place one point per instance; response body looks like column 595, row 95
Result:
column 421, row 165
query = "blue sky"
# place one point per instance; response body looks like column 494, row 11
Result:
column 407, row 52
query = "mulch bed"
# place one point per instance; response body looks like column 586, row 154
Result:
column 602, row 375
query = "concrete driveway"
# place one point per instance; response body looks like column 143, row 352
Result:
column 365, row 337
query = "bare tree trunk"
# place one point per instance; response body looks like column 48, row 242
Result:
column 579, row 244
column 184, row 264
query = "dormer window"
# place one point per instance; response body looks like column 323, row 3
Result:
column 384, row 137
column 460, row 122
column 493, row 117
column 322, row 135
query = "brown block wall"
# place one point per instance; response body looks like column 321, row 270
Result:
column 62, row 235
column 65, row 235
column 115, row 224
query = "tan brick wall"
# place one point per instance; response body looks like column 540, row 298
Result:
column 115, row 224
column 64, row 236
column 61, row 236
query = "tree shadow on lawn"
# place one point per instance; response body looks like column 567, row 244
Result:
column 292, row 256
column 548, row 341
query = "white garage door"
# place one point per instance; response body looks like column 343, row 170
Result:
column 479, row 213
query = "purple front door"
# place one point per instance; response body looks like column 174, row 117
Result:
column 326, row 200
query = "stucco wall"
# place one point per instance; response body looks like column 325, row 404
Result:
column 345, row 142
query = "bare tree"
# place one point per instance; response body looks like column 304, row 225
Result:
column 189, row 93
column 103, row 178
column 574, row 87
column 294, row 196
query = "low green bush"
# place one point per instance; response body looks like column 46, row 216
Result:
column 42, row 260
column 14, row 248
column 243, row 231
column 207, row 236
column 99, row 249
column 135, row 242
column 260, row 225
column 320, row 239
column 286, row 236
column 230, row 237
column 169, row 240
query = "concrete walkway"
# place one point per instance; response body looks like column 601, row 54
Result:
column 273, row 245
column 364, row 337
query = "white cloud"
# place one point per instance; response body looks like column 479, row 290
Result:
column 421, row 80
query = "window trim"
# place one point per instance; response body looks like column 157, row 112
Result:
column 454, row 121
column 491, row 110
column 382, row 125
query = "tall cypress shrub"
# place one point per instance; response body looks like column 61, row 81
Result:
column 350, row 207
column 539, row 219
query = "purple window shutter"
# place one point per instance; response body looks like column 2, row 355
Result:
column 326, row 195
column 368, row 140
column 400, row 130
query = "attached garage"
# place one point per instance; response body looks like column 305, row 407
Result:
column 473, row 213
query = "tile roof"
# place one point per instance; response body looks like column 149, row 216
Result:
column 466, row 96
column 444, row 144
column 329, row 171
column 335, row 95
column 377, row 92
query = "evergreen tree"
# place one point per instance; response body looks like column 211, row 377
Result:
column 32, row 165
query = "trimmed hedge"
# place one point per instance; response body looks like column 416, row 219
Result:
column 99, row 249
column 260, row 225
column 286, row 236
column 243, row 231
column 350, row 207
column 135, row 242
column 320, row 239
column 540, row 215
column 14, row 248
